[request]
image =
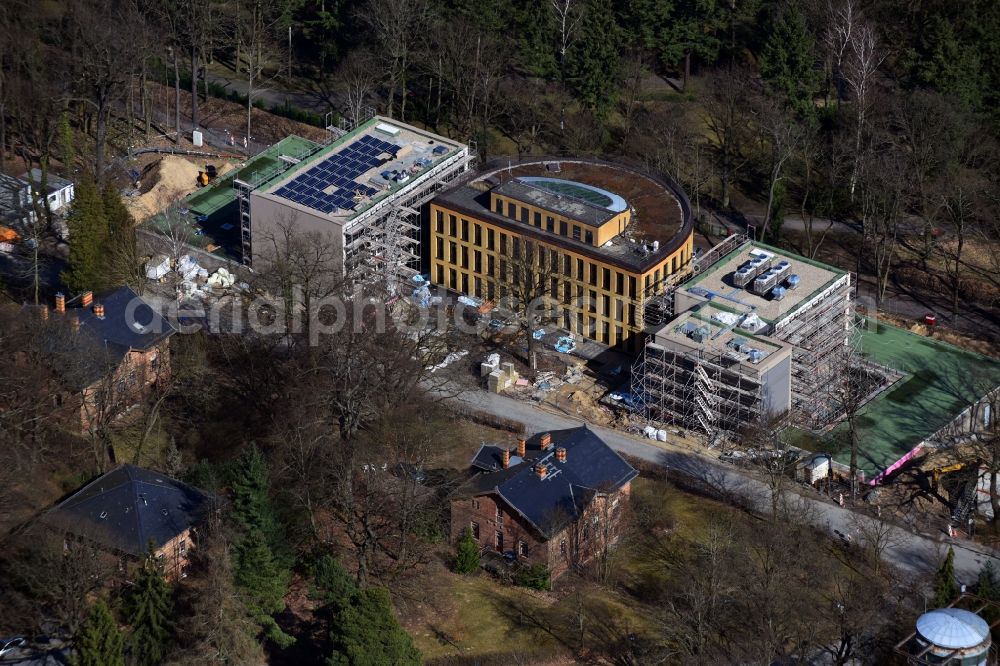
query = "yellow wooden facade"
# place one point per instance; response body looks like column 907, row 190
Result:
column 599, row 299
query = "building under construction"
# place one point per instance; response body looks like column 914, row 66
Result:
column 362, row 193
column 756, row 333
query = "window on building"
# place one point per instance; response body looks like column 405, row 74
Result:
column 516, row 246
column 605, row 305
column 673, row 265
column 465, row 229
column 619, row 283
column 538, row 219
column 440, row 248
column 498, row 541
column 567, row 265
column 589, row 237
column 511, row 210
column 478, row 236
column 522, row 549
column 490, row 289
column 452, row 252
column 554, row 260
column 465, row 257
column 562, row 228
column 619, row 310
column 524, row 214
column 593, row 275
column 440, row 271
column 478, row 259
column 452, row 278
column 498, row 205
column 440, row 222
column 479, row 287
column 503, row 270
column 489, row 239
column 453, row 226
column 576, row 232
column 554, row 287
column 503, row 243
column 550, row 223
column 606, row 278
column 475, row 504
column 562, row 547
column 499, row 515
column 490, row 265
column 605, row 332
column 618, row 335
column 631, row 287
column 579, row 269
column 474, row 526
column 592, row 305
column 465, row 283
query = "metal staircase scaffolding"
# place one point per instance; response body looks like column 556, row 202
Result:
column 967, row 502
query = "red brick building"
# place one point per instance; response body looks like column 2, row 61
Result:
column 129, row 508
column 109, row 353
column 555, row 500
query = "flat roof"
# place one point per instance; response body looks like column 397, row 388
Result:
column 940, row 381
column 814, row 277
column 721, row 337
column 563, row 197
column 661, row 213
column 364, row 166
column 259, row 169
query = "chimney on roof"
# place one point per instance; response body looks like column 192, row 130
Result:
column 546, row 441
column 98, row 310
column 506, row 458
column 60, row 302
column 541, row 471
column 522, row 447
column 87, row 299
column 561, row 454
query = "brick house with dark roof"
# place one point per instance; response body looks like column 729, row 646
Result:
column 129, row 508
column 108, row 352
column 556, row 500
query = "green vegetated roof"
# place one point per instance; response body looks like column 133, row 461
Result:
column 259, row 169
column 940, row 382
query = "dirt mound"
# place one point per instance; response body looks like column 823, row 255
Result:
column 176, row 177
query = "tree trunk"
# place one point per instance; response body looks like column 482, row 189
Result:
column 194, row 86
column 102, row 136
column 177, row 99
column 687, row 70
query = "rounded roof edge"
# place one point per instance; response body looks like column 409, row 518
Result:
column 953, row 628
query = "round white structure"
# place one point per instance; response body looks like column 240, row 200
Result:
column 953, row 636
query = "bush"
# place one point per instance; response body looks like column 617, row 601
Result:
column 537, row 577
column 467, row 557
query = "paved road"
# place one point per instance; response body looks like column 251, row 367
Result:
column 914, row 553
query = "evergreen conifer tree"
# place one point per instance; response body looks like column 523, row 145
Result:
column 945, row 586
column 122, row 263
column 99, row 641
column 367, row 633
column 467, row 556
column 149, row 609
column 333, row 585
column 260, row 567
column 88, row 240
column 788, row 60
column 593, row 65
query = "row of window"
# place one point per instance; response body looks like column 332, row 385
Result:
column 498, row 541
column 547, row 258
column 525, row 215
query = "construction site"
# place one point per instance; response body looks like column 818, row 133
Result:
column 361, row 191
column 756, row 332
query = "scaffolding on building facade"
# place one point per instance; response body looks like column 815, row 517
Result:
column 705, row 391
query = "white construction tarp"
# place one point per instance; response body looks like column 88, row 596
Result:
column 157, row 267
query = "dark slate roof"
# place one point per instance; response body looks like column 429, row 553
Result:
column 129, row 323
column 551, row 503
column 129, row 506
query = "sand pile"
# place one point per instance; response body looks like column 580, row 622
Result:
column 176, row 178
